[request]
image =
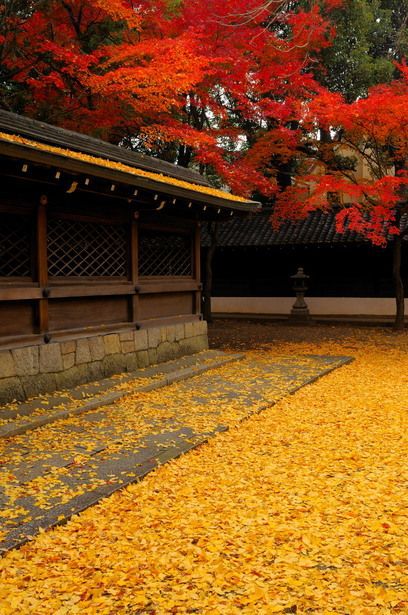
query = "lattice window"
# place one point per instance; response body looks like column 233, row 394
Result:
column 15, row 246
column 164, row 254
column 86, row 249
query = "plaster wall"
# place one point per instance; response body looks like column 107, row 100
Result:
column 318, row 306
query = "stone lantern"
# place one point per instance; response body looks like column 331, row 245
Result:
column 300, row 311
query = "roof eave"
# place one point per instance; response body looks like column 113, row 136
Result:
column 73, row 165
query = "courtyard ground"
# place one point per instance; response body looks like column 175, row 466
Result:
column 301, row 508
column 127, row 427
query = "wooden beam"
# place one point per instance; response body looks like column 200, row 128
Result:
column 134, row 265
column 175, row 285
column 21, row 293
column 42, row 265
column 90, row 289
column 197, row 267
column 61, row 162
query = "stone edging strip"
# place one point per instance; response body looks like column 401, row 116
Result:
column 9, row 430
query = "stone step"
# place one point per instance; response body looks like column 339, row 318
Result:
column 28, row 371
column 17, row 418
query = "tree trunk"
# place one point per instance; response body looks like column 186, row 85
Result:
column 212, row 231
column 184, row 155
column 398, row 284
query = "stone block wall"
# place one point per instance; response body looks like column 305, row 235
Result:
column 31, row 370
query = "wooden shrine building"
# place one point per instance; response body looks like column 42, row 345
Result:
column 99, row 257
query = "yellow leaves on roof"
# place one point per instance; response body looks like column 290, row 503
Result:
column 118, row 166
column 300, row 509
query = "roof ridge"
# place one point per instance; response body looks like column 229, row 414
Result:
column 14, row 123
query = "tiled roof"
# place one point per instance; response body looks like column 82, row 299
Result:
column 256, row 230
column 43, row 139
column 54, row 135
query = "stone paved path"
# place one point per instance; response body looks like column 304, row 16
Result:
column 18, row 417
column 57, row 470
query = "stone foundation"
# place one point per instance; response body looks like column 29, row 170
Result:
column 32, row 370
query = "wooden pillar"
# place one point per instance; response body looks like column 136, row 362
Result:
column 197, row 267
column 42, row 265
column 134, row 265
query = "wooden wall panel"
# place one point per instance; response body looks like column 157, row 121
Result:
column 87, row 312
column 42, row 306
column 16, row 318
column 162, row 305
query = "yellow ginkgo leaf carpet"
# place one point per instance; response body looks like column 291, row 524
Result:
column 59, row 469
column 302, row 508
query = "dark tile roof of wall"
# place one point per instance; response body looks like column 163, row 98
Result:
column 256, row 230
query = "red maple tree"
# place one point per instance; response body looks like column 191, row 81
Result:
column 93, row 66
column 372, row 134
column 219, row 84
